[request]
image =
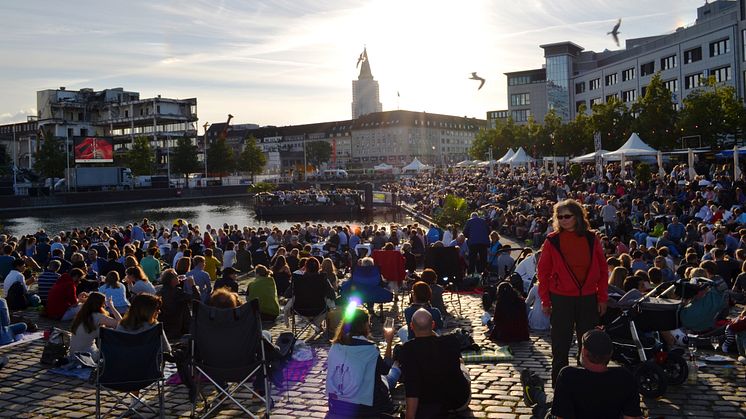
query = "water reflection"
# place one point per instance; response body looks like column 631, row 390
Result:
column 215, row 212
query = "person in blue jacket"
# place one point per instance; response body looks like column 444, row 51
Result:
column 477, row 232
column 8, row 331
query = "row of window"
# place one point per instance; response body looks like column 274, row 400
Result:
column 690, row 82
column 521, row 115
column 520, row 99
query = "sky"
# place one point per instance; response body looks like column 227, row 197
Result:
column 281, row 62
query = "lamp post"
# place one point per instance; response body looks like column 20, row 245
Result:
column 204, row 155
column 67, row 158
column 15, row 162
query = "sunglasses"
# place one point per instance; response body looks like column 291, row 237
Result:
column 564, row 216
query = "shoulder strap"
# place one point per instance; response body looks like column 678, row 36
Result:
column 555, row 240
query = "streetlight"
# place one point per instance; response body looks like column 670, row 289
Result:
column 67, row 157
column 204, row 155
column 15, row 162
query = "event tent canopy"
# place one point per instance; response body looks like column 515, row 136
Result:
column 520, row 157
column 508, row 155
column 415, row 166
column 633, row 147
column 587, row 158
column 383, row 167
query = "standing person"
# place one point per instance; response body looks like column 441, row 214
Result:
column 573, row 279
column 477, row 232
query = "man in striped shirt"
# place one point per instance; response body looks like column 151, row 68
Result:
column 47, row 279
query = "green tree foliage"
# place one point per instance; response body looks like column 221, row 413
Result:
column 613, row 120
column 712, row 111
column 50, row 159
column 642, row 172
column 220, row 158
column 455, row 211
column 656, row 116
column 251, row 160
column 575, row 172
column 262, row 187
column 6, row 162
column 184, row 158
column 140, row 158
column 318, row 152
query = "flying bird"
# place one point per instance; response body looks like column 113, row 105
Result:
column 475, row 77
column 360, row 59
column 615, row 32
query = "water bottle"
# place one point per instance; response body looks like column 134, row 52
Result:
column 693, row 370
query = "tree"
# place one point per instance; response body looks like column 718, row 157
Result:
column 612, row 119
column 711, row 111
column 50, row 159
column 575, row 137
column 184, row 158
column 140, row 157
column 252, row 160
column 220, row 158
column 656, row 115
column 318, row 152
column 6, row 163
column 455, row 211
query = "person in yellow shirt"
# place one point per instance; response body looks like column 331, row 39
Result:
column 211, row 264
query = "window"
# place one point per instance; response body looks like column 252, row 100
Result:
column 126, row 113
column 520, row 99
column 647, row 69
column 719, row 47
column 596, row 101
column 693, row 80
column 629, row 96
column 579, row 87
column 628, row 74
column 521, row 115
column 518, row 80
column 158, row 109
column 594, row 84
column 668, row 63
column 693, row 55
column 672, row 85
column 721, row 74
column 612, row 97
column 611, row 79
column 743, row 42
column 643, row 90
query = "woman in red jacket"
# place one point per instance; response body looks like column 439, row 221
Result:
column 573, row 279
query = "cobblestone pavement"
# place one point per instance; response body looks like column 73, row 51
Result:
column 27, row 389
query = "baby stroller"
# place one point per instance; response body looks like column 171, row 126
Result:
column 633, row 322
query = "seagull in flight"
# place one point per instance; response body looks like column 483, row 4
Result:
column 615, row 32
column 475, row 77
column 360, row 59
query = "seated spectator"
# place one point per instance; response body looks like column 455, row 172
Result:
column 112, row 264
column 537, row 319
column 244, row 263
column 358, row 380
column 435, row 379
column 176, row 295
column 47, row 279
column 224, row 298
column 90, row 317
column 282, row 273
column 151, row 265
column 430, row 277
column 330, row 271
column 16, row 289
column 116, row 291
column 142, row 316
column 263, row 289
column 421, row 296
column 228, row 280
column 410, row 263
column 510, row 323
column 596, row 390
column 64, row 302
column 138, row 281
column 8, row 331
column 211, row 264
column 201, row 278
column 311, row 274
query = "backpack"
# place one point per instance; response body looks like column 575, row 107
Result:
column 16, row 297
column 466, row 341
column 489, row 296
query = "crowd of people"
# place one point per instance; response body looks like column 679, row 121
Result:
column 591, row 237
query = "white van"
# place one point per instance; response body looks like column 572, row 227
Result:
column 335, row 174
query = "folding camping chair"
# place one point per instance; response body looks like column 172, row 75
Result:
column 227, row 350
column 365, row 284
column 309, row 303
column 129, row 363
column 392, row 266
column 445, row 261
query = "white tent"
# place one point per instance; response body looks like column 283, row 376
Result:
column 633, row 147
column 463, row 163
column 486, row 163
column 383, row 167
column 415, row 166
column 519, row 158
column 504, row 159
column 587, row 158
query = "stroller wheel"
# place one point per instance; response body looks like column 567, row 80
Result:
column 676, row 369
column 651, row 379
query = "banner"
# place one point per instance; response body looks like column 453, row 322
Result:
column 93, row 150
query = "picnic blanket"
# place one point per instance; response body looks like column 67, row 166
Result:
column 499, row 354
column 24, row 338
column 79, row 373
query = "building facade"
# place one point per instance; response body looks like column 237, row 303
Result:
column 365, row 91
column 117, row 113
column 494, row 116
column 21, row 141
column 714, row 46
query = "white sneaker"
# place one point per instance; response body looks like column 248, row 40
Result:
column 742, row 359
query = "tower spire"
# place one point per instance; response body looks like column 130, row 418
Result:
column 365, row 72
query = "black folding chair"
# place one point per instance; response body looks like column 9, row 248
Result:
column 129, row 363
column 446, row 263
column 309, row 304
column 227, row 350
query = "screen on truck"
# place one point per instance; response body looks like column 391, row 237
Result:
column 93, row 150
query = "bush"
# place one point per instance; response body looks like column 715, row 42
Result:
column 455, row 211
column 643, row 173
column 262, row 187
